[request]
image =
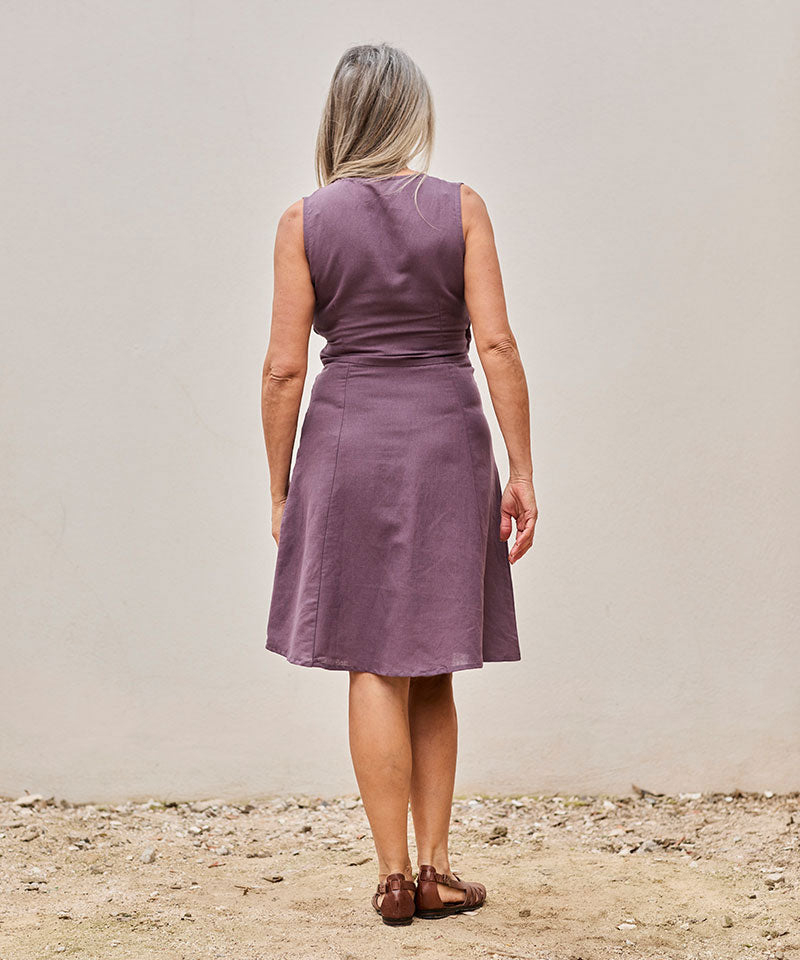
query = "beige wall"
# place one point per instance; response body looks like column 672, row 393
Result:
column 640, row 163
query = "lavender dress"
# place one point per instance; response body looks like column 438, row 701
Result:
column 390, row 559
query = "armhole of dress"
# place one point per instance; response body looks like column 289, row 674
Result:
column 460, row 219
column 306, row 236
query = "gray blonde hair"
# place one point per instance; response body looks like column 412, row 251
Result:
column 378, row 116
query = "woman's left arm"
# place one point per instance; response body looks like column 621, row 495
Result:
column 286, row 362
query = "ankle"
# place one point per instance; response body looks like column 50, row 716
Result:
column 385, row 869
column 439, row 861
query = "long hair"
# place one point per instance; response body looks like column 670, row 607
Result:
column 378, row 116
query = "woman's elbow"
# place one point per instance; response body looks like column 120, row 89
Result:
column 502, row 348
column 279, row 371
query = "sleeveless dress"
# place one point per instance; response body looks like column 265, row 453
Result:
column 389, row 558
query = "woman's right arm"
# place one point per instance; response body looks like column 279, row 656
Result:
column 501, row 362
column 284, row 370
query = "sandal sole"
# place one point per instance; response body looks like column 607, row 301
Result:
column 439, row 914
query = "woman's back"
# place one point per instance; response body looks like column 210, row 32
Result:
column 389, row 559
column 388, row 273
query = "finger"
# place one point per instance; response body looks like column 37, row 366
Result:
column 513, row 553
column 523, row 541
column 505, row 525
column 524, row 534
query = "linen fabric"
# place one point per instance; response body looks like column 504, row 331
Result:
column 389, row 557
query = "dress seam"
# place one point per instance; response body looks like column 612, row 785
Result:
column 469, row 445
column 462, row 243
column 307, row 244
column 335, row 663
column 327, row 514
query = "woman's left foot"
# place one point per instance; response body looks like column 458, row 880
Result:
column 429, row 902
column 394, row 900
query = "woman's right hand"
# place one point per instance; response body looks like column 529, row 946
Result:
column 519, row 502
column 278, row 507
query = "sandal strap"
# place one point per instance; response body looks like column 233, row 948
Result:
column 445, row 879
column 395, row 882
column 474, row 893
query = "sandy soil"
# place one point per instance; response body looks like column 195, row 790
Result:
column 568, row 878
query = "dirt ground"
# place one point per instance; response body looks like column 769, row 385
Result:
column 568, row 878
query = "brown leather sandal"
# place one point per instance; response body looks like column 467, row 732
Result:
column 398, row 905
column 430, row 906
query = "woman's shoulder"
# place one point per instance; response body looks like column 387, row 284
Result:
column 323, row 196
column 336, row 186
column 471, row 201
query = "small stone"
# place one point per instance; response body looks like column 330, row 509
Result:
column 626, row 926
column 726, row 921
column 28, row 800
column 498, row 835
column 148, row 855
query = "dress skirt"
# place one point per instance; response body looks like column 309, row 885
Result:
column 389, row 558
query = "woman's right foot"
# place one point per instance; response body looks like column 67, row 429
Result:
column 442, row 894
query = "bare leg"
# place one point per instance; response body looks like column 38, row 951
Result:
column 380, row 747
column 434, row 746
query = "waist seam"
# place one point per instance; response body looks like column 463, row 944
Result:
column 388, row 361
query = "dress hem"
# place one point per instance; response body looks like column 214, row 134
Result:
column 326, row 664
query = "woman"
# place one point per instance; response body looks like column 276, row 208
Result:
column 393, row 561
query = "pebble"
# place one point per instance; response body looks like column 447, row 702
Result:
column 28, row 800
column 148, row 855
